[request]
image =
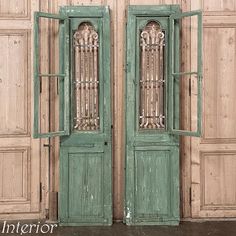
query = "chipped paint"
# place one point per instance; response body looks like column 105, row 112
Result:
column 128, row 215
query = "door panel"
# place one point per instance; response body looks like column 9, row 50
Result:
column 152, row 153
column 83, row 183
column 154, row 182
column 85, row 155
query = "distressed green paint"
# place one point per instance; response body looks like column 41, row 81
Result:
column 155, row 184
column 152, row 157
column 85, row 186
column 63, row 74
column 85, row 196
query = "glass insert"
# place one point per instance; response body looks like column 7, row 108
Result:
column 86, row 80
column 152, row 81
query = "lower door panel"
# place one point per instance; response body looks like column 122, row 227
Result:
column 154, row 196
column 85, row 194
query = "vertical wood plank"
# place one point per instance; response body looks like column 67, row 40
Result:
column 44, row 7
column 35, row 153
column 185, row 162
column 118, row 107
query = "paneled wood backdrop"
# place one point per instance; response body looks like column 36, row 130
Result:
column 208, row 164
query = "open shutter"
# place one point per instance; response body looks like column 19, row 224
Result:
column 177, row 77
column 51, row 31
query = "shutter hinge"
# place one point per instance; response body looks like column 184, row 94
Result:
column 40, row 192
column 126, row 16
column 47, row 214
column 190, row 196
column 40, row 85
column 189, row 87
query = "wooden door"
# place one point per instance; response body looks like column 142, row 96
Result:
column 85, row 156
column 153, row 119
column 82, row 84
column 19, row 152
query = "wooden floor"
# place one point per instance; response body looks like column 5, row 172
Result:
column 223, row 228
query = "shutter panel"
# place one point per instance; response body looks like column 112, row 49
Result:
column 176, row 76
column 56, row 78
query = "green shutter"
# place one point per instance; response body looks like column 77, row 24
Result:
column 175, row 75
column 62, row 75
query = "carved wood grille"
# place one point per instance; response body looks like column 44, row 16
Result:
column 152, row 82
column 86, row 81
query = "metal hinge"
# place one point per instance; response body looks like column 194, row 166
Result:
column 126, row 17
column 190, row 196
column 40, row 85
column 47, row 214
column 40, row 192
column 189, row 87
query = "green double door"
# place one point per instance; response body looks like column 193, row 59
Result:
column 84, row 104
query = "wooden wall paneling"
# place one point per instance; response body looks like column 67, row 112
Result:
column 14, row 115
column 34, row 147
column 118, row 107
column 172, row 2
column 17, row 9
column 219, row 6
column 19, row 152
column 14, row 165
column 53, row 178
column 218, row 188
column 213, row 156
column 16, row 168
column 185, row 161
column 44, row 109
column 195, row 162
column 219, row 91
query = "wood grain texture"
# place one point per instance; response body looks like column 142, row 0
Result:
column 85, row 185
column 15, row 180
column 14, row 167
column 14, row 82
column 219, row 5
column 218, row 174
column 219, row 88
column 152, row 171
column 213, row 156
column 20, row 154
column 119, row 20
column 17, row 9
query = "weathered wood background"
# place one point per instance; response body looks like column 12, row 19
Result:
column 208, row 164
